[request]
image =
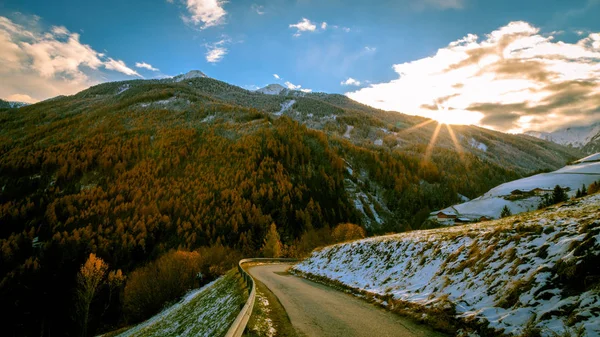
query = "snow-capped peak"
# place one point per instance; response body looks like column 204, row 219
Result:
column 189, row 75
column 575, row 136
column 271, row 89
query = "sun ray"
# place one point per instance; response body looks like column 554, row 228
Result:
column 420, row 125
column 432, row 141
column 461, row 154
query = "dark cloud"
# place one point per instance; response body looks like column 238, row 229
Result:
column 516, row 68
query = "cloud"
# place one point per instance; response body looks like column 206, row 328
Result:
column 513, row 79
column 216, row 51
column 120, row 66
column 39, row 63
column 350, row 81
column 304, row 25
column 293, row 86
column 260, row 10
column 21, row 98
column 145, row 66
column 324, row 25
column 370, row 49
column 276, row 76
column 205, row 13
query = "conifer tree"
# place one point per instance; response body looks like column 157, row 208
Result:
column 505, row 212
column 272, row 243
column 559, row 195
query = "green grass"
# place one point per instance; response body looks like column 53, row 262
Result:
column 208, row 313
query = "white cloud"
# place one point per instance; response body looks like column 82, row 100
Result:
column 276, row 76
column 324, row 25
column 121, row 67
column 21, row 98
column 40, row 64
column 370, row 49
column 350, row 81
column 513, row 79
column 293, row 86
column 304, row 25
column 145, row 66
column 205, row 13
column 216, row 51
column 60, row 30
column 346, row 29
column 260, row 10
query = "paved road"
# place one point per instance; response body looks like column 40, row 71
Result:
column 318, row 310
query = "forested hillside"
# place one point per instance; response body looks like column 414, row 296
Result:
column 131, row 170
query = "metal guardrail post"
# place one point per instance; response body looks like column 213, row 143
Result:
column 239, row 325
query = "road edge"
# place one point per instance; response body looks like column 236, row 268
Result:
column 238, row 326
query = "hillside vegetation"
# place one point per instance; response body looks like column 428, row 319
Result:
column 209, row 312
column 132, row 170
column 536, row 273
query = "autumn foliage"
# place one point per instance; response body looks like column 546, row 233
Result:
column 347, row 232
column 155, row 190
column 159, row 282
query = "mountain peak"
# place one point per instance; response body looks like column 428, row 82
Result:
column 272, row 89
column 189, row 75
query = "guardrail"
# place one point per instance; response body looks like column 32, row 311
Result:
column 239, row 325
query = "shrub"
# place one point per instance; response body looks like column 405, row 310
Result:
column 347, row 232
column 166, row 279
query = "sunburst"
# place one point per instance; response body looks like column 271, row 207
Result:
column 443, row 111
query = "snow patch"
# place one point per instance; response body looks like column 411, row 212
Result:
column 477, row 145
column 271, row 89
column 189, row 75
column 123, row 88
column 490, row 204
column 285, row 106
column 493, row 272
column 348, row 130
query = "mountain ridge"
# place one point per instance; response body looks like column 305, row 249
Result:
column 586, row 138
column 132, row 170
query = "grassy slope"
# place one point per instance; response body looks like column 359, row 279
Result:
column 537, row 271
column 208, row 311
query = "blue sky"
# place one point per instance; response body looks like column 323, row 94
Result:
column 250, row 41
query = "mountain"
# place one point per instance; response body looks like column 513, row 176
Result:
column 11, row 105
column 132, row 170
column 189, row 75
column 525, row 194
column 272, row 89
column 578, row 137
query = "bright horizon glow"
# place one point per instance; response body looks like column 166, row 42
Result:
column 513, row 79
column 453, row 117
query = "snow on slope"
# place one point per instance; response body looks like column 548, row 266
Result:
column 574, row 136
column 593, row 157
column 271, row 89
column 536, row 269
column 491, row 203
column 189, row 75
column 208, row 311
column 285, row 106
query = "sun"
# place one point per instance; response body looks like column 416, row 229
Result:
column 456, row 117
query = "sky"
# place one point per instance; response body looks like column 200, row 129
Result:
column 509, row 65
